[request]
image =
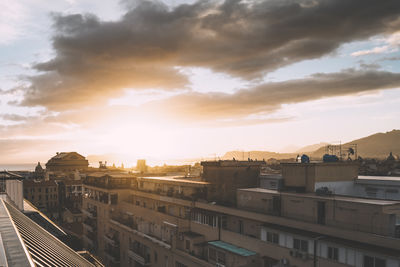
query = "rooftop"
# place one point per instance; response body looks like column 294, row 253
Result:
column 100, row 174
column 12, row 250
column 44, row 249
column 9, row 175
column 174, row 179
column 233, row 163
column 232, row 248
column 330, row 197
column 381, row 180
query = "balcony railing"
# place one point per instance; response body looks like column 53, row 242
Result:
column 112, row 240
column 91, row 235
column 127, row 222
column 90, row 225
column 139, row 258
column 113, row 255
column 91, row 213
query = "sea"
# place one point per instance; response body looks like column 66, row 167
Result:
column 18, row 167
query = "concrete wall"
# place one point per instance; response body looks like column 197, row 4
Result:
column 305, row 175
column 14, row 189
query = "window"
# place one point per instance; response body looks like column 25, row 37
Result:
column 240, row 227
column 221, row 257
column 178, row 264
column 300, row 244
column 273, row 237
column 224, row 222
column 333, row 253
column 212, row 254
column 187, row 244
column 370, row 261
column 155, row 256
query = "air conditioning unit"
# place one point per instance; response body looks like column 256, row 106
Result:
column 284, row 261
column 180, row 236
column 304, row 256
column 219, row 265
column 299, row 254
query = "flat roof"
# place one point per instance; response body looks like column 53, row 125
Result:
column 332, row 197
column 176, row 179
column 110, row 174
column 378, row 178
column 232, row 248
column 320, row 163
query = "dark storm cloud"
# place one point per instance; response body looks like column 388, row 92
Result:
column 269, row 97
column 95, row 59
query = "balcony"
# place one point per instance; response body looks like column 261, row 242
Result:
column 91, row 213
column 108, row 182
column 88, row 241
column 112, row 240
column 143, row 235
column 124, row 221
column 90, row 225
column 137, row 257
column 91, row 235
column 113, row 255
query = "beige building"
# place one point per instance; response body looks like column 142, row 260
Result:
column 174, row 221
column 43, row 195
column 67, row 161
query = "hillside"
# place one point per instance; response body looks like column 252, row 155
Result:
column 374, row 146
column 311, row 148
column 378, row 145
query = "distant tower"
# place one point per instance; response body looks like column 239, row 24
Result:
column 39, row 171
column 390, row 157
column 141, row 165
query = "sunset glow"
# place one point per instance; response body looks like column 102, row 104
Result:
column 143, row 79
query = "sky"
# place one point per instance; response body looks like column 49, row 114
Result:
column 166, row 80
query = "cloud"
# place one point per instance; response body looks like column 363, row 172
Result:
column 15, row 117
column 375, row 50
column 95, row 60
column 269, row 97
column 392, row 45
column 12, row 15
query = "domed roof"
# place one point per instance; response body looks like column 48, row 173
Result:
column 38, row 168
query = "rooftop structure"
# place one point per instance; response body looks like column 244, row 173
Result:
column 67, row 161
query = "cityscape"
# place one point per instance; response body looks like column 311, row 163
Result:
column 200, row 133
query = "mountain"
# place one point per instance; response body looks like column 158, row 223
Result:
column 378, row 145
column 311, row 148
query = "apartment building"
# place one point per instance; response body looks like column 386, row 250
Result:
column 175, row 221
column 44, row 195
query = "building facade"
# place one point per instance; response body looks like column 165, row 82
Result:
column 174, row 221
